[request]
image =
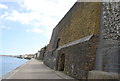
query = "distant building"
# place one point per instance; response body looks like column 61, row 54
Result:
column 30, row 55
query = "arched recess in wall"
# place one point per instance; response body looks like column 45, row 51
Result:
column 58, row 41
column 61, row 64
column 44, row 50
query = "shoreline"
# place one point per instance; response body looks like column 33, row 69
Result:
column 34, row 69
column 13, row 71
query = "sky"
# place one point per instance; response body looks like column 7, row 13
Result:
column 26, row 25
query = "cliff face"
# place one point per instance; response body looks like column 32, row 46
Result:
column 86, row 39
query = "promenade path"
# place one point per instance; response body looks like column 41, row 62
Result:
column 35, row 69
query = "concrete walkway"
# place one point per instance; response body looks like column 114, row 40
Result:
column 35, row 69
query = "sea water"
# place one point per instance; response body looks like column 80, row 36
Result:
column 7, row 64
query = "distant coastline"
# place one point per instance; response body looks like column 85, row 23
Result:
column 26, row 56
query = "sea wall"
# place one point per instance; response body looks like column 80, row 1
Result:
column 81, row 20
column 86, row 41
column 79, row 57
column 69, row 48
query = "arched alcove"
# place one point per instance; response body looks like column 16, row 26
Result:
column 61, row 63
column 57, row 45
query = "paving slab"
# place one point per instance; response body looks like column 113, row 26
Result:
column 35, row 69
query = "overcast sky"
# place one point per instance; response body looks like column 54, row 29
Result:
column 26, row 25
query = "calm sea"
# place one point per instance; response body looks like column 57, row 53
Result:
column 8, row 64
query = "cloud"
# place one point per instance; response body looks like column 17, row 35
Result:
column 2, row 6
column 35, row 30
column 4, row 15
column 39, row 16
column 24, row 18
column 4, row 27
column 56, row 8
column 42, row 14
